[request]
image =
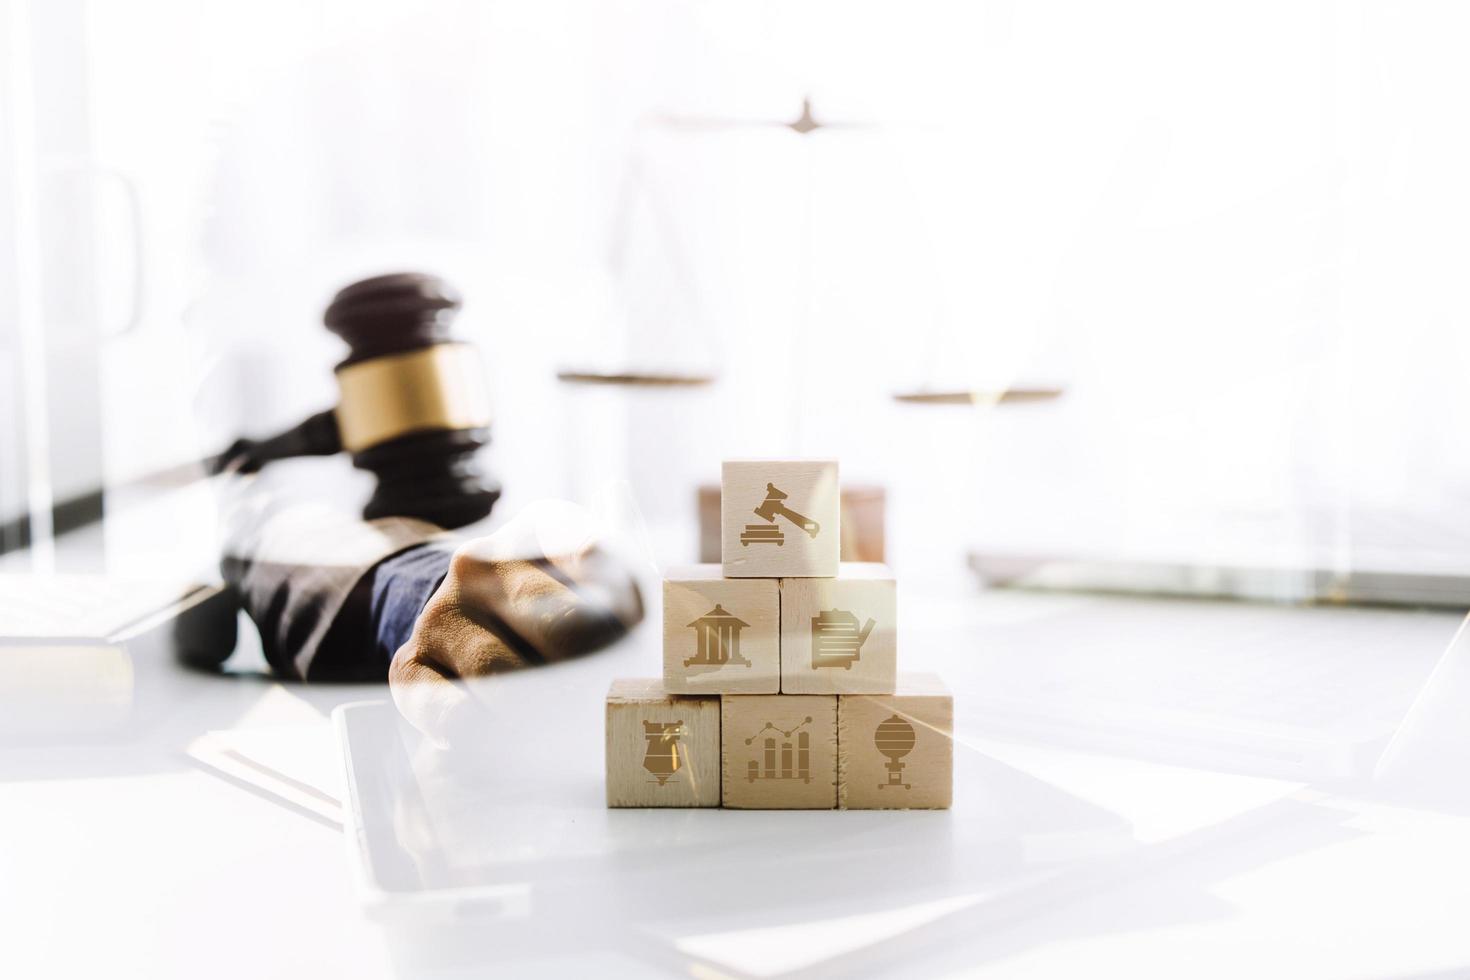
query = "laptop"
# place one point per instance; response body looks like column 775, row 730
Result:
column 75, row 648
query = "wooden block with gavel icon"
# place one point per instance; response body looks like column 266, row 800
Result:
column 896, row 751
column 861, row 517
column 779, row 518
column 662, row 749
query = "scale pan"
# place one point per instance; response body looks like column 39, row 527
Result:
column 931, row 397
column 636, row 379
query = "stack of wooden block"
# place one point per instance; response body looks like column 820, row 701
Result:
column 781, row 687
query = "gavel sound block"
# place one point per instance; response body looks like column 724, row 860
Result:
column 414, row 408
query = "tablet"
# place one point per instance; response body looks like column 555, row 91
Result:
column 509, row 850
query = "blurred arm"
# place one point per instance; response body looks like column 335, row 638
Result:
column 336, row 598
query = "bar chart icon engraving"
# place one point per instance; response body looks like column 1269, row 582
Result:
column 784, row 754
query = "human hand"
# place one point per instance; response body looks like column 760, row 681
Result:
column 539, row 590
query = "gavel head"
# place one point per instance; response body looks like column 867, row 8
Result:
column 414, row 408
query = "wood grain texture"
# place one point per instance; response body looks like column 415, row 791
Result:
column 825, row 657
column 638, row 754
column 692, row 595
column 767, row 764
column 896, row 751
column 777, row 544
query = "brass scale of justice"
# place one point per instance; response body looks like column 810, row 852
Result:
column 804, row 125
column 895, row 737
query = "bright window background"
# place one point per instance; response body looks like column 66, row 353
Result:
column 1236, row 234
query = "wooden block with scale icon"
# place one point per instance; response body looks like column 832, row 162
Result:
column 662, row 750
column 779, row 518
column 896, row 751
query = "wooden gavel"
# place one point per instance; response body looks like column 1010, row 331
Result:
column 414, row 409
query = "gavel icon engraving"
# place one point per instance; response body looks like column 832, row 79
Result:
column 774, row 506
column 414, row 407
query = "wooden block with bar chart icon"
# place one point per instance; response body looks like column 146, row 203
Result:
column 896, row 751
column 721, row 635
column 779, row 518
column 662, row 749
column 779, row 752
column 840, row 635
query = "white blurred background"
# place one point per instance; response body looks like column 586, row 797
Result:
column 1235, row 235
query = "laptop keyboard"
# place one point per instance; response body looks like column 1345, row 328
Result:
column 78, row 606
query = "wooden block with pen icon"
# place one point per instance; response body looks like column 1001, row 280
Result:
column 662, row 750
column 801, row 651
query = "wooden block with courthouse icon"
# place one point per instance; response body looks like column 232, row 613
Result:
column 778, row 752
column 896, row 751
column 662, row 749
column 721, row 635
column 840, row 635
column 779, row 518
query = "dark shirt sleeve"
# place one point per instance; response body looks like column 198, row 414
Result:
column 379, row 615
column 304, row 573
column 334, row 597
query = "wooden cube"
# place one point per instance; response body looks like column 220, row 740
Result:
column 896, row 751
column 840, row 635
column 662, row 750
column 779, row 518
column 779, row 753
column 861, row 513
column 721, row 635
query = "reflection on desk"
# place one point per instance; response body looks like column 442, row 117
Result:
column 506, row 853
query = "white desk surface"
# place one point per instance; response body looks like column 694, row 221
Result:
column 133, row 859
column 126, row 855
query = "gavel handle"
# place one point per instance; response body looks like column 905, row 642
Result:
column 316, row 436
